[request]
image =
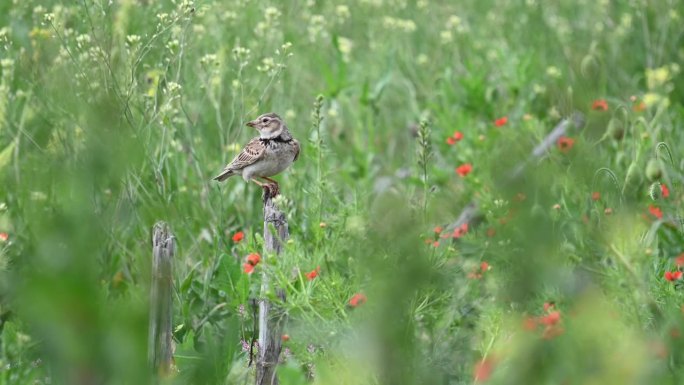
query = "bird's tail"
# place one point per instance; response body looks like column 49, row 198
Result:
column 225, row 174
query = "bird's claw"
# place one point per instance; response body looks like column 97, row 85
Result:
column 271, row 190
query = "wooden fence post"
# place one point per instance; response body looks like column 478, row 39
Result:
column 160, row 344
column 271, row 317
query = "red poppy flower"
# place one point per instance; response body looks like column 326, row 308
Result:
column 357, row 300
column 451, row 141
column 673, row 275
column 435, row 244
column 313, row 273
column 551, row 318
column 4, row 237
column 461, row 230
column 237, row 237
column 458, row 135
column 530, row 323
column 253, row 259
column 548, row 305
column 600, row 104
column 679, row 260
column 484, row 266
column 501, row 121
column 664, row 191
column 118, row 279
column 248, row 268
column 285, row 338
column 565, row 144
column 659, row 349
column 639, row 107
column 655, row 211
column 464, row 169
column 483, row 370
column 552, row 332
column 595, row 196
column 438, row 229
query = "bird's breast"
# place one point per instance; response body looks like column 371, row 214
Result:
column 277, row 158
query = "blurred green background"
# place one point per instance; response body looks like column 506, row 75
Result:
column 117, row 114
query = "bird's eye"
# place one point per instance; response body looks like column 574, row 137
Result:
column 264, row 120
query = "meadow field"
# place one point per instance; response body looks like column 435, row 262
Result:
column 438, row 234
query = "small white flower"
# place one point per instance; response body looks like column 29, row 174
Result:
column 82, row 40
column 267, row 64
column 38, row 196
column 422, row 59
column 316, row 27
column 173, row 45
column 173, row 87
column 6, row 65
column 163, row 17
column 5, row 33
column 342, row 12
column 446, row 36
column 453, row 22
column 39, row 10
column 405, row 25
column 132, row 39
column 553, row 72
column 241, row 53
column 271, row 13
column 345, row 45
column 229, row 15
column 209, row 59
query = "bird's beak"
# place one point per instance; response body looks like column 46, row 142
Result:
column 252, row 123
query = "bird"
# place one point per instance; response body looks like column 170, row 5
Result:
column 269, row 154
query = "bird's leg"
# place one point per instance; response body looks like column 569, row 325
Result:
column 264, row 186
column 275, row 184
column 269, row 189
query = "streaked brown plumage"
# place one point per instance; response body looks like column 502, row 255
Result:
column 269, row 154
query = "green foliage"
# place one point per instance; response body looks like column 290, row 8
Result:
column 114, row 115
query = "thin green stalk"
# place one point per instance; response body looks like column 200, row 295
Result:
column 318, row 143
column 424, row 155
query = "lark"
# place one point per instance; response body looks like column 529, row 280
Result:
column 269, row 154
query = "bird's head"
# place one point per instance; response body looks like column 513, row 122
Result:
column 269, row 125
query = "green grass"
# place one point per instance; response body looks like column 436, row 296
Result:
column 114, row 115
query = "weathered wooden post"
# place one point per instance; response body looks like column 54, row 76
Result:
column 160, row 344
column 271, row 317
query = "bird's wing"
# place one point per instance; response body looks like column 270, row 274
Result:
column 253, row 151
column 295, row 143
